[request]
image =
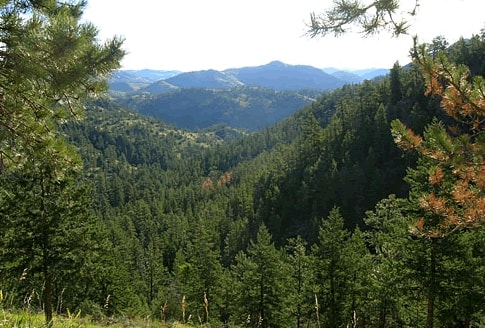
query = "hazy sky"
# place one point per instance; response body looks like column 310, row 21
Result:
column 192, row 35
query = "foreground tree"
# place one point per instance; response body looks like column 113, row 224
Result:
column 449, row 182
column 453, row 155
column 447, row 194
column 49, row 63
column 301, row 275
column 47, row 229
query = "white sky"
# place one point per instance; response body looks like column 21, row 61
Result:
column 190, row 35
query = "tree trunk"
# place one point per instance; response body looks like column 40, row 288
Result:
column 262, row 319
column 382, row 315
column 431, row 287
column 48, row 297
column 45, row 244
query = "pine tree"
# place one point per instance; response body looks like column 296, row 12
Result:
column 47, row 222
column 369, row 17
column 300, row 297
column 260, row 276
column 331, row 268
column 448, row 184
column 396, row 84
column 393, row 282
column 199, row 272
column 50, row 62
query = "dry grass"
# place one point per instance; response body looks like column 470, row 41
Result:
column 37, row 320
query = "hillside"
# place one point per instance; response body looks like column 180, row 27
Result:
column 318, row 219
column 248, row 108
column 247, row 98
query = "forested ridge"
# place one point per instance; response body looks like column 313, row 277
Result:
column 244, row 107
column 340, row 215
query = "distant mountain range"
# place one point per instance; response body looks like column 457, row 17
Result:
column 275, row 75
column 247, row 97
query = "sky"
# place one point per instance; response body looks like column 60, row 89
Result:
column 191, row 35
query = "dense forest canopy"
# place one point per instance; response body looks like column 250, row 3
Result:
column 362, row 209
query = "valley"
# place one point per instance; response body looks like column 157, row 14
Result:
column 246, row 98
column 268, row 196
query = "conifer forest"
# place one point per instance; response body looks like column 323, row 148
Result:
column 365, row 208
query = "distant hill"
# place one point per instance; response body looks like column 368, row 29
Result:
column 209, row 79
column 247, row 97
column 151, row 75
column 249, row 108
column 159, row 87
column 133, row 80
column 279, row 76
column 356, row 76
column 348, row 77
column 369, row 74
column 274, row 75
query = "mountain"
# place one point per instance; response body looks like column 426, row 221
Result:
column 347, row 76
column 154, row 75
column 159, row 87
column 274, row 75
column 209, row 79
column 133, row 80
column 247, row 97
column 369, row 74
column 356, row 76
column 280, row 76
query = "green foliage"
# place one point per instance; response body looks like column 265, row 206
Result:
column 392, row 292
column 47, row 226
column 370, row 18
column 301, row 292
column 184, row 211
column 259, row 274
column 229, row 220
column 49, row 62
column 331, row 268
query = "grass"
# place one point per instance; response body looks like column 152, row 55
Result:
column 37, row 320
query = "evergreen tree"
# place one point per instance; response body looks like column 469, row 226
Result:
column 331, row 269
column 463, row 288
column 396, row 84
column 261, row 283
column 47, row 223
column 199, row 271
column 450, row 184
column 392, row 285
column 301, row 295
column 447, row 186
column 370, row 18
column 49, row 62
column 359, row 267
